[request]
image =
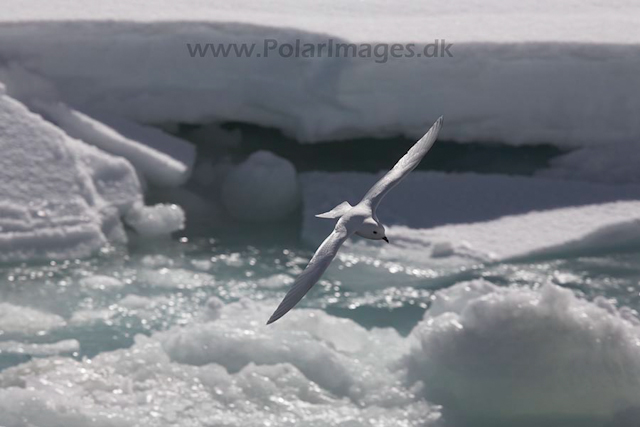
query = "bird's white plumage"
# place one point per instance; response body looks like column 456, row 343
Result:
column 318, row 264
column 406, row 164
column 351, row 218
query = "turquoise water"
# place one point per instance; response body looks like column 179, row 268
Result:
column 186, row 272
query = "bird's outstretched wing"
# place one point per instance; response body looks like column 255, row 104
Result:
column 311, row 274
column 406, row 164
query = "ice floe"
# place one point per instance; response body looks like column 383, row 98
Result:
column 513, row 355
column 522, row 73
column 460, row 220
column 63, row 198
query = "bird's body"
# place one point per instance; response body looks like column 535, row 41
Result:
column 360, row 219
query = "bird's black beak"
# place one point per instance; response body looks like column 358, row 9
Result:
column 385, row 239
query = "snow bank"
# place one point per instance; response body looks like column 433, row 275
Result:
column 264, row 188
column 160, row 158
column 429, row 199
column 521, row 72
column 60, row 197
column 143, row 146
column 506, row 356
column 316, row 371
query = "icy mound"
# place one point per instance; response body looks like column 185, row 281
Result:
column 151, row 221
column 233, row 371
column 263, row 188
column 60, row 197
column 507, row 356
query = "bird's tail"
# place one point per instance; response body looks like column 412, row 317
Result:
column 336, row 212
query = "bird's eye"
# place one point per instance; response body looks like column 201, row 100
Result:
column 375, row 232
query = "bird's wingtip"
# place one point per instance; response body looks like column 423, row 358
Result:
column 272, row 319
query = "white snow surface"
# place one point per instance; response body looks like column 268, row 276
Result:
column 521, row 72
column 503, row 355
column 506, row 355
column 263, row 188
column 60, row 197
column 20, row 320
column 39, row 350
column 141, row 145
column 318, row 370
column 467, row 20
column 438, row 220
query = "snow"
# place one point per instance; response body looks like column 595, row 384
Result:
column 101, row 282
column 60, row 197
column 224, row 372
column 138, row 144
column 16, row 320
column 152, row 221
column 39, row 350
column 521, row 73
column 508, row 355
column 264, row 188
column 619, row 164
column 503, row 355
column 442, row 221
column 466, row 20
column 160, row 158
column 86, row 83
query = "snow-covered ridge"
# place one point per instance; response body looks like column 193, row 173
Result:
column 62, row 198
column 560, row 83
column 598, row 21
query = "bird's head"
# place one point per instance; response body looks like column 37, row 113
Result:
column 373, row 231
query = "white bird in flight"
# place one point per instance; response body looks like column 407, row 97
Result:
column 360, row 219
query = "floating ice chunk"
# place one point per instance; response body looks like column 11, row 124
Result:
column 91, row 316
column 157, row 220
column 263, row 188
column 101, row 282
column 512, row 355
column 175, row 278
column 442, row 249
column 276, row 281
column 15, row 319
column 213, row 308
column 136, row 302
column 39, row 350
column 224, row 379
column 155, row 261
